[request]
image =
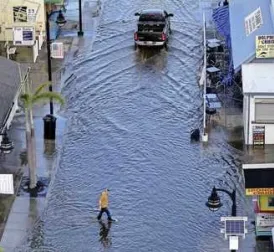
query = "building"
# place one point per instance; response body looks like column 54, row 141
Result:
column 258, row 108
column 248, row 19
column 11, row 83
column 250, row 22
column 260, row 185
column 22, row 27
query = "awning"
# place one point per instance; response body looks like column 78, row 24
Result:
column 259, row 179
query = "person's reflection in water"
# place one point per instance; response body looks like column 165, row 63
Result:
column 105, row 239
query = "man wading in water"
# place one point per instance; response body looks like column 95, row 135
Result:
column 103, row 205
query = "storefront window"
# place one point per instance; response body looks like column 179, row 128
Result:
column 264, row 110
column 270, row 201
column 20, row 14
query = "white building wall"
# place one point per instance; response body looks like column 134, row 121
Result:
column 246, row 117
column 257, row 83
column 7, row 21
column 269, row 127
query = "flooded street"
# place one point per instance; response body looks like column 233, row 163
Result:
column 130, row 114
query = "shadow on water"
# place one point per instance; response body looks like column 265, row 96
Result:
column 236, row 138
column 104, row 233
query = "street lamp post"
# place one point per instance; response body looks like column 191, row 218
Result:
column 6, row 145
column 80, row 32
column 214, row 202
column 50, row 119
column 49, row 61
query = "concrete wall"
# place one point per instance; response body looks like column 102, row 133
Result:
column 6, row 17
column 249, row 120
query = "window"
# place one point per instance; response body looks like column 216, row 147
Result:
column 20, row 14
column 264, row 110
column 253, row 21
column 158, row 17
column 154, row 28
column 270, row 201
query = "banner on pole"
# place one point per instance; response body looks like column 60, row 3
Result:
column 57, row 50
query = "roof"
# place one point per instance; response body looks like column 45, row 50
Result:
column 9, row 84
column 258, row 78
column 241, row 13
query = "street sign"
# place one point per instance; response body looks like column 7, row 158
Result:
column 23, row 36
column 57, row 50
column 31, row 15
column 265, row 46
column 6, row 184
column 258, row 135
column 259, row 191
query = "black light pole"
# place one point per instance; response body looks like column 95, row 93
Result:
column 214, row 202
column 80, row 32
column 49, row 62
column 50, row 119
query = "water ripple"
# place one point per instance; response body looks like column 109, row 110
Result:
column 130, row 114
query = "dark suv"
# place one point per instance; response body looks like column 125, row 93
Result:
column 153, row 28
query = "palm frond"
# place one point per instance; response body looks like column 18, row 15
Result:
column 27, row 99
column 47, row 96
column 40, row 88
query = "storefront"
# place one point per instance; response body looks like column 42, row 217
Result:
column 259, row 184
column 258, row 108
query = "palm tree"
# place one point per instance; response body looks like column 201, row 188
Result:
column 29, row 100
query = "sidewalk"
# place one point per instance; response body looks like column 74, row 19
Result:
column 22, row 210
column 25, row 210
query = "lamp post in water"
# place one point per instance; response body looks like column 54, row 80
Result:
column 80, row 32
column 214, row 202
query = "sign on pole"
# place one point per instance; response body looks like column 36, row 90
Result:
column 265, row 46
column 6, row 184
column 57, row 50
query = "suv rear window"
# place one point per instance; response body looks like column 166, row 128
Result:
column 152, row 17
column 151, row 28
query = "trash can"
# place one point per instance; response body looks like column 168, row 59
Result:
column 49, row 127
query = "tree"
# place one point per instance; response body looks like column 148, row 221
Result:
column 29, row 99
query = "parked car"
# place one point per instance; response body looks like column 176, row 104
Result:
column 153, row 28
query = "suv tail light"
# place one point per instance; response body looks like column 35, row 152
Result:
column 135, row 36
column 163, row 36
